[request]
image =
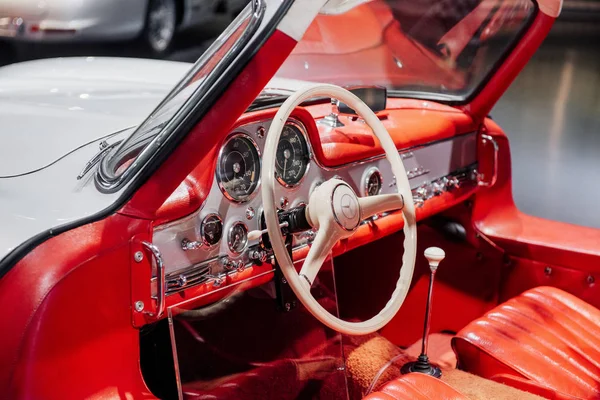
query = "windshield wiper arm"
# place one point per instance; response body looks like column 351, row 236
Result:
column 104, row 148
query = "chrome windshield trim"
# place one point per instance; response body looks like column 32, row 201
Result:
column 106, row 179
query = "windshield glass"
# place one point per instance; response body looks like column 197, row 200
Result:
column 439, row 49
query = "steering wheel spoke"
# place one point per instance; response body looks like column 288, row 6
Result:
column 373, row 205
column 326, row 238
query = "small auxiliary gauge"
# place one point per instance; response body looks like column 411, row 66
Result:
column 211, row 229
column 372, row 182
column 237, row 238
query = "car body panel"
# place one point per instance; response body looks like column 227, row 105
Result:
column 71, row 101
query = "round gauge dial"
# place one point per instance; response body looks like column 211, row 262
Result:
column 211, row 229
column 292, row 157
column 373, row 183
column 237, row 238
column 238, row 170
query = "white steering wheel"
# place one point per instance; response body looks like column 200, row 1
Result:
column 336, row 211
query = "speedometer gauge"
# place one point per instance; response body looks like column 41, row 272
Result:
column 238, row 170
column 292, row 155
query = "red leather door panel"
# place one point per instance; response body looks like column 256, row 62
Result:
column 541, row 252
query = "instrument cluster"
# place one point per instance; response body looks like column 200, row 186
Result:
column 215, row 240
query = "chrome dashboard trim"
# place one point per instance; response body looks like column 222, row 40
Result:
column 441, row 157
column 220, row 287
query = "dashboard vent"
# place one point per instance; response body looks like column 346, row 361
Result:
column 191, row 277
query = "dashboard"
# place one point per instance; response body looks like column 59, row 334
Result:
column 212, row 243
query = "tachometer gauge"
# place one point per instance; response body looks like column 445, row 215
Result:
column 238, row 170
column 211, row 229
column 372, row 182
column 237, row 239
column 292, row 155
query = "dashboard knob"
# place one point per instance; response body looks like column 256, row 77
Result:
column 228, row 264
column 187, row 245
column 419, row 201
column 422, row 192
column 439, row 187
column 258, row 256
column 419, row 196
column 240, row 266
column 452, row 183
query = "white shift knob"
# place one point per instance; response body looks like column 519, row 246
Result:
column 434, row 255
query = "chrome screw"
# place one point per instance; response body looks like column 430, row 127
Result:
column 138, row 257
column 548, row 271
column 250, row 213
column 139, row 306
column 590, row 280
column 260, row 132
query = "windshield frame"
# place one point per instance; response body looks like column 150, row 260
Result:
column 107, row 180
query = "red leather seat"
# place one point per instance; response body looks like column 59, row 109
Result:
column 416, row 387
column 544, row 337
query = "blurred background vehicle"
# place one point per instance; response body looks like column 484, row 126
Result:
column 551, row 112
column 153, row 24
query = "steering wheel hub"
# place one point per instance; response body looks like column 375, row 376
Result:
column 345, row 207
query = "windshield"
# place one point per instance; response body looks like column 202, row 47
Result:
column 442, row 50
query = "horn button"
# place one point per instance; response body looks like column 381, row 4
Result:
column 344, row 204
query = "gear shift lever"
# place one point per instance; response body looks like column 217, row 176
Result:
column 434, row 255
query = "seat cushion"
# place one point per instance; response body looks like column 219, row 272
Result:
column 416, row 387
column 544, row 335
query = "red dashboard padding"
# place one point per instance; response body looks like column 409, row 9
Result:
column 545, row 335
column 407, row 127
column 416, row 387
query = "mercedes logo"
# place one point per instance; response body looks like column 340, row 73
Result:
column 348, row 206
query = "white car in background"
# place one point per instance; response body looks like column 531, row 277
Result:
column 153, row 22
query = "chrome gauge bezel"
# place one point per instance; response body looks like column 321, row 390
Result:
column 294, row 122
column 219, row 176
column 204, row 242
column 229, row 242
column 367, row 176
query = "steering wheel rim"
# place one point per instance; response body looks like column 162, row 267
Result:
column 322, row 207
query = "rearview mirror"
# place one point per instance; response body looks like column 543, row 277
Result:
column 373, row 96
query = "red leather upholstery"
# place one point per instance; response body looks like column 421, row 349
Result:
column 544, row 335
column 416, row 387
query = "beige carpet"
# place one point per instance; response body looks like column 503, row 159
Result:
column 367, row 354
